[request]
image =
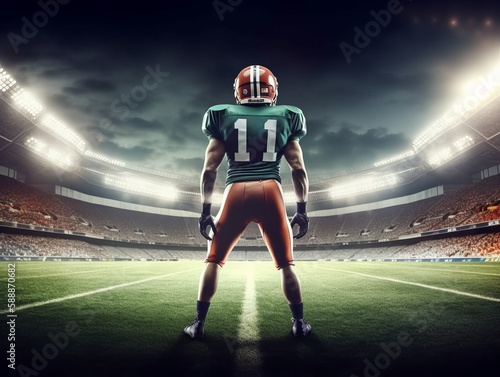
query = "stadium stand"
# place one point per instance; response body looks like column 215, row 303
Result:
column 482, row 245
column 22, row 245
column 21, row 203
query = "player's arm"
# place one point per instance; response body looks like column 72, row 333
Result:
column 294, row 157
column 213, row 157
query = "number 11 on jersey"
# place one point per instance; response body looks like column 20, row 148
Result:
column 269, row 155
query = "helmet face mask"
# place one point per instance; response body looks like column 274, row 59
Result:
column 255, row 85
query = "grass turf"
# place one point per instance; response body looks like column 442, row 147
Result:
column 362, row 325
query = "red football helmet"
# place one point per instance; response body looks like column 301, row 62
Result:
column 256, row 84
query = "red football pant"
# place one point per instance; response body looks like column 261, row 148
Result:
column 258, row 201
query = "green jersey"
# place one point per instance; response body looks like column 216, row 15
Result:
column 254, row 137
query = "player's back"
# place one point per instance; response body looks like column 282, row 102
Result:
column 254, row 137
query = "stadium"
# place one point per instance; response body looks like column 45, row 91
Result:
column 68, row 213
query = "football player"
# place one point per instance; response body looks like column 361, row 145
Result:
column 254, row 135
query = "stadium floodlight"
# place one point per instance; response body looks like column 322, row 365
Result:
column 27, row 102
column 446, row 122
column 141, row 186
column 6, row 81
column 35, row 144
column 93, row 171
column 102, row 158
column 463, row 143
column 422, row 139
column 59, row 129
column 440, row 157
column 399, row 157
column 364, row 185
column 446, row 153
column 63, row 159
column 478, row 93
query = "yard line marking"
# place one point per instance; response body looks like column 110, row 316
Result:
column 247, row 354
column 465, row 264
column 418, row 285
column 461, row 271
column 450, row 264
column 32, row 269
column 248, row 329
column 72, row 273
column 88, row 293
column 52, row 265
column 448, row 270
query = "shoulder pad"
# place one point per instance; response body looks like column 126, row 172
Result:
column 218, row 107
column 293, row 109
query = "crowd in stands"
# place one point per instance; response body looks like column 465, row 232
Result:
column 468, row 205
column 482, row 245
column 25, row 204
column 31, row 246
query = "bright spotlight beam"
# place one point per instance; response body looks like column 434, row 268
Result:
column 141, row 186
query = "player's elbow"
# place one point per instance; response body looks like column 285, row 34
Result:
column 211, row 166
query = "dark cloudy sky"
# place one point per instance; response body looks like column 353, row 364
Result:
column 89, row 63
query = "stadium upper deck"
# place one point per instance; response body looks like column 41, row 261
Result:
column 26, row 207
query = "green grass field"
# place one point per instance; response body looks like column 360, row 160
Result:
column 369, row 319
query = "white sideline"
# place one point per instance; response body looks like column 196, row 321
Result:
column 74, row 273
column 418, row 285
column 88, row 293
column 247, row 354
column 452, row 270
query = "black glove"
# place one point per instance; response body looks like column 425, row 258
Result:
column 300, row 218
column 206, row 219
